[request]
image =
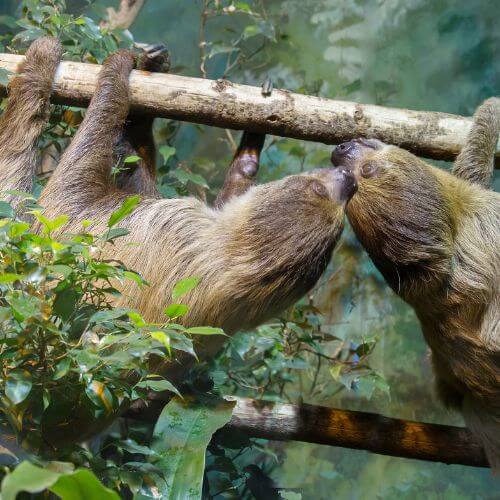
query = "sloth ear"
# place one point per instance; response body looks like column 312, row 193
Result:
column 320, row 189
column 369, row 169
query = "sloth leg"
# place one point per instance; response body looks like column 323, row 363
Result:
column 243, row 169
column 26, row 115
column 137, row 139
column 476, row 160
column 84, row 172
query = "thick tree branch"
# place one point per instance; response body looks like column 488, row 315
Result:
column 125, row 16
column 347, row 429
column 224, row 104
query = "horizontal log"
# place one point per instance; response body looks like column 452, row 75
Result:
column 224, row 104
column 345, row 428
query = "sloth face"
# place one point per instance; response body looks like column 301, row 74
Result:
column 399, row 212
column 360, row 156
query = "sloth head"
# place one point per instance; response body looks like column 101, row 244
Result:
column 400, row 212
column 313, row 202
column 283, row 234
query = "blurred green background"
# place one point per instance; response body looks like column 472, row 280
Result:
column 420, row 54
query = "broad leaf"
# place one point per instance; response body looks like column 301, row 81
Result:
column 78, row 485
column 18, row 386
column 180, row 439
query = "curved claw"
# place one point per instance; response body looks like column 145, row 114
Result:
column 154, row 57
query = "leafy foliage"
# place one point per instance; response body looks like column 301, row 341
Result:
column 67, row 354
column 60, row 333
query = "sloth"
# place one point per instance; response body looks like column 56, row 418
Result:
column 256, row 251
column 435, row 237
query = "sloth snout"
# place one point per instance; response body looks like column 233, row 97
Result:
column 345, row 184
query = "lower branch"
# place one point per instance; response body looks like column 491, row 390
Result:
column 347, row 429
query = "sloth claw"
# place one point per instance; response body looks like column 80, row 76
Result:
column 154, row 58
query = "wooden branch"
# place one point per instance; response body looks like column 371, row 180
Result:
column 125, row 16
column 224, row 104
column 347, row 429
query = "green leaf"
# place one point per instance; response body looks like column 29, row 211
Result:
column 61, row 269
column 65, row 303
column 10, row 277
column 184, row 286
column 205, row 330
column 24, row 306
column 135, row 277
column 5, row 208
column 109, row 315
column 115, row 232
column 174, row 311
column 18, row 386
column 128, row 206
column 159, row 385
column 62, row 368
column 166, row 152
column 184, row 177
column 8, row 21
column 78, row 485
column 180, row 438
column 27, row 477
column 163, row 338
column 132, row 159
column 335, row 371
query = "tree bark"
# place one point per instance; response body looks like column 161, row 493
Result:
column 345, row 428
column 224, row 104
column 125, row 16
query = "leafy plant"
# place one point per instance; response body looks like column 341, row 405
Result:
column 60, row 334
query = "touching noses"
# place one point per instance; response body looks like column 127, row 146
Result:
column 342, row 152
column 345, row 184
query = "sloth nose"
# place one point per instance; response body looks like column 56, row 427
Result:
column 345, row 184
column 342, row 151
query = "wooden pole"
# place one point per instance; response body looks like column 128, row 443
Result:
column 224, row 104
column 345, row 428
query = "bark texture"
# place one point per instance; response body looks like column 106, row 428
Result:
column 347, row 429
column 224, row 104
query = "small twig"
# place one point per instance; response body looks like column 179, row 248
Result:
column 125, row 16
column 232, row 142
column 203, row 42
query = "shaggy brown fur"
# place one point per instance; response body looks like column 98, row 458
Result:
column 436, row 239
column 256, row 254
column 25, row 116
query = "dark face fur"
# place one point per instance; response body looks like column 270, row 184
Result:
column 399, row 212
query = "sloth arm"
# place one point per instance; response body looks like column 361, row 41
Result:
column 83, row 175
column 26, row 114
column 242, row 171
column 137, row 138
column 476, row 160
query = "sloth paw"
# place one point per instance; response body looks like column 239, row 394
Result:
column 154, row 58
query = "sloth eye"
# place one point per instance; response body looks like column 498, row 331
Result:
column 319, row 189
column 369, row 169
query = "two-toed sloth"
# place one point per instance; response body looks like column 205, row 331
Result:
column 256, row 252
column 435, row 237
